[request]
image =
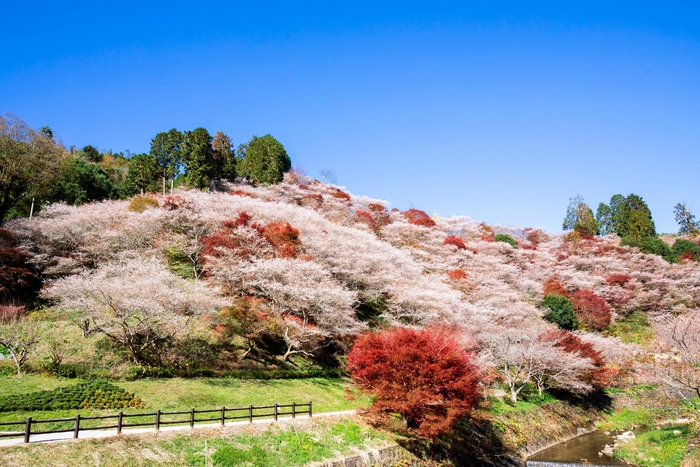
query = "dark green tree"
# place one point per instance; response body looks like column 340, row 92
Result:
column 638, row 221
column 144, row 175
column 224, row 160
column 561, row 311
column 620, row 211
column 265, row 160
column 46, row 130
column 688, row 225
column 166, row 147
column 579, row 216
column 92, row 154
column 197, row 154
column 29, row 162
column 82, row 182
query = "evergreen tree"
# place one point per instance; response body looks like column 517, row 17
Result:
column 561, row 311
column 81, row 182
column 144, row 175
column 265, row 160
column 224, row 160
column 166, row 148
column 197, row 153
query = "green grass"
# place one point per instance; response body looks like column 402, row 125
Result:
column 178, row 394
column 287, row 446
column 633, row 329
column 663, row 447
column 627, row 419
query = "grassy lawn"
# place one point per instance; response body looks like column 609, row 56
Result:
column 178, row 394
column 279, row 445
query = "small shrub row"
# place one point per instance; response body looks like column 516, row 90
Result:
column 92, row 394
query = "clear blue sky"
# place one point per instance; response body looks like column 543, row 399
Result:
column 498, row 111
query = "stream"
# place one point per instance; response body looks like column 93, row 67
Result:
column 581, row 451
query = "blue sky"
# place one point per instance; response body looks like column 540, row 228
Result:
column 495, row 110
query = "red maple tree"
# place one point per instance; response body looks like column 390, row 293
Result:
column 424, row 375
column 598, row 377
column 591, row 309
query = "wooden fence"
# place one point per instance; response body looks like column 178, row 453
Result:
column 160, row 418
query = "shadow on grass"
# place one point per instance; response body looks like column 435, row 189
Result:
column 474, row 443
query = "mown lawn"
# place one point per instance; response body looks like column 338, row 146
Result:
column 175, row 394
column 284, row 445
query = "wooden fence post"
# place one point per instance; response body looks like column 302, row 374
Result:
column 294, row 409
column 223, row 415
column 76, row 430
column 119, row 422
column 250, row 413
column 158, row 420
column 192, row 418
column 311, row 410
column 274, row 413
column 27, row 429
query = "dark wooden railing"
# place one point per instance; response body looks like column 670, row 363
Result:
column 160, row 418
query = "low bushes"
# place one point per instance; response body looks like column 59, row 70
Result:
column 141, row 203
column 92, row 394
column 505, row 238
column 285, row 374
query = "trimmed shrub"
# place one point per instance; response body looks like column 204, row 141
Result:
column 92, row 394
column 141, row 203
column 505, row 238
column 561, row 311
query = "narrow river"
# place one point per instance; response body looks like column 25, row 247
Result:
column 576, row 452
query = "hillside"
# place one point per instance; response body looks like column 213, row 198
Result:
column 252, row 277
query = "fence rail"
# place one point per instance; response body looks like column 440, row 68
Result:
column 223, row 415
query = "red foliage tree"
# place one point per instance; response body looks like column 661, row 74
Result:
column 618, row 279
column 591, row 309
column 487, row 233
column 424, row 375
column 456, row 241
column 284, row 239
column 598, row 377
column 341, row 195
column 418, row 217
column 552, row 286
column 367, row 218
column 241, row 193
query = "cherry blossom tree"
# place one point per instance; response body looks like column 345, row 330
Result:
column 138, row 303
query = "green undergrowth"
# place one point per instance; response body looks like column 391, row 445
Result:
column 280, row 445
column 632, row 329
column 628, row 419
column 663, row 447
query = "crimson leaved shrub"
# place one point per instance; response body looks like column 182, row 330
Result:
column 456, row 241
column 591, row 309
column 423, row 375
column 418, row 217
